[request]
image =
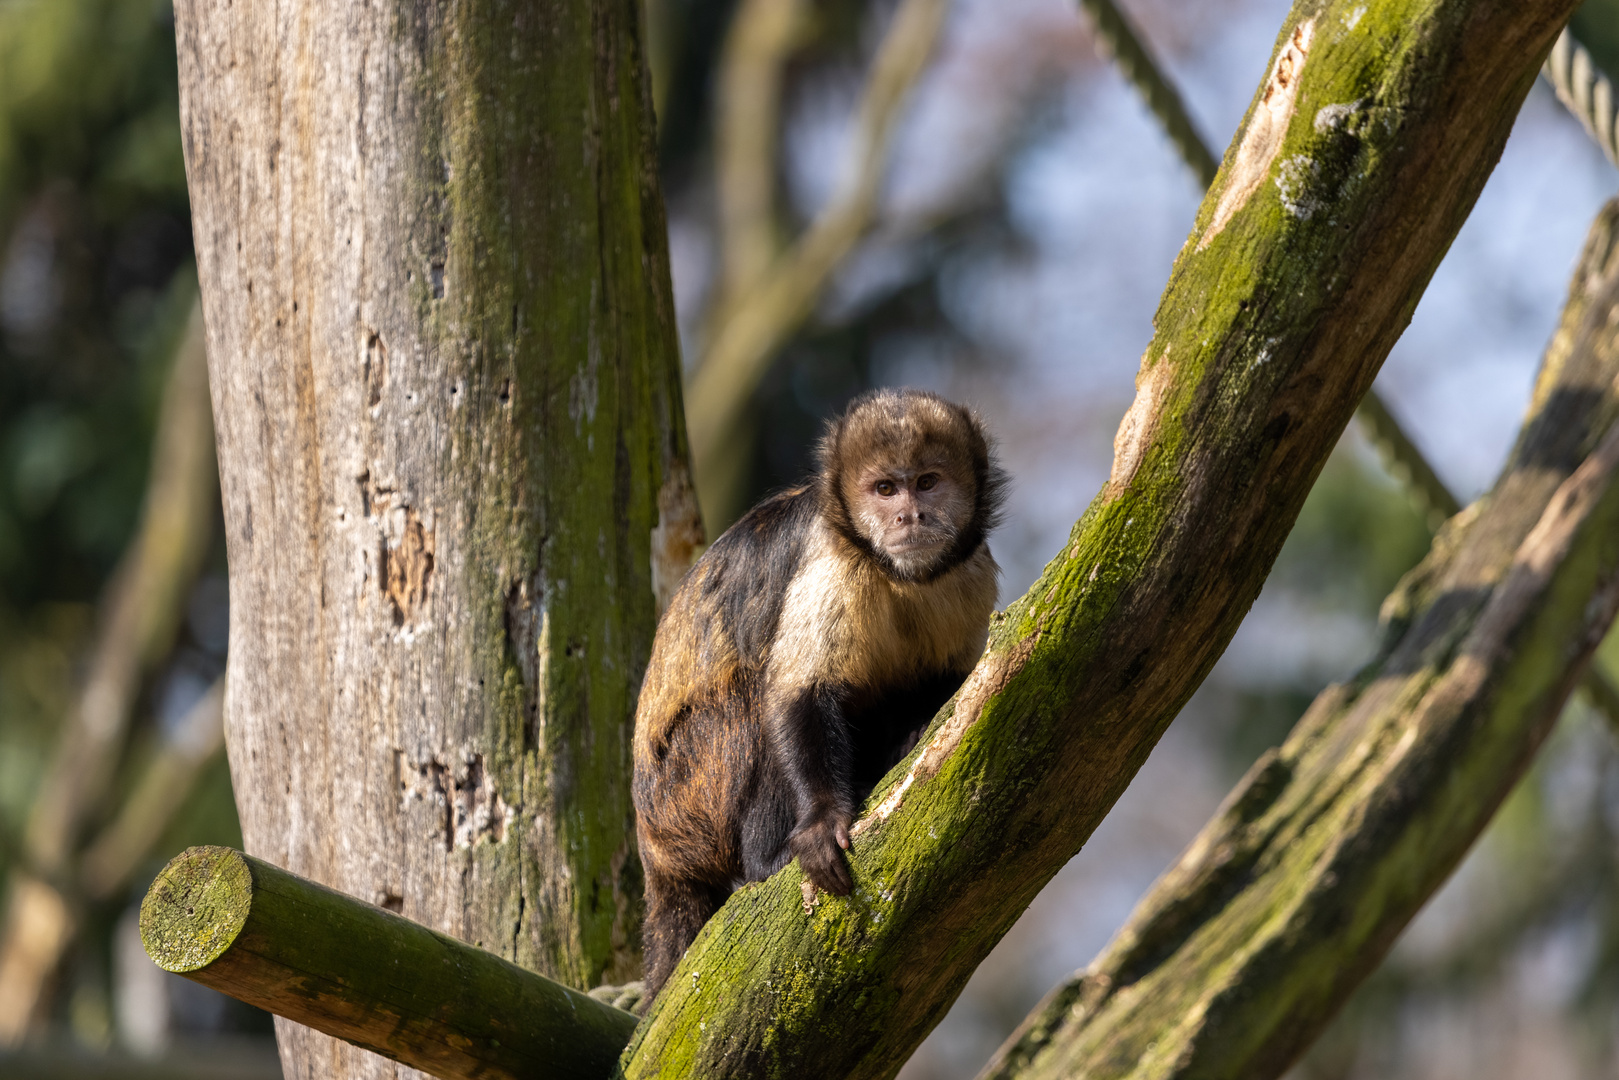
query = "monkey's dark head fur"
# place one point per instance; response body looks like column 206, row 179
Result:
column 904, row 429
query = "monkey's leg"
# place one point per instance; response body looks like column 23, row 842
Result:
column 676, row 908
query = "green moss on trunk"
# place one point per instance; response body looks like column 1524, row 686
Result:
column 447, row 392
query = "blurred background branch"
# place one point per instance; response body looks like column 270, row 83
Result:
column 763, row 36
column 758, row 315
column 140, row 613
column 162, row 787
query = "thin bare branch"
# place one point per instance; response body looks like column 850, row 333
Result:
column 140, row 612
column 762, row 38
column 769, row 312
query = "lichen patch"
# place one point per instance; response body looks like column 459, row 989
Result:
column 1266, row 131
column 1294, row 182
column 1331, row 117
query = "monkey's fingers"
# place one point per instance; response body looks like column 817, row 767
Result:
column 821, row 860
column 842, row 835
column 828, row 871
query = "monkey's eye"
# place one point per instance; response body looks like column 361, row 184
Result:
column 885, row 488
column 927, row 482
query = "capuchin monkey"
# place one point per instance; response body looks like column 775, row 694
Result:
column 803, row 656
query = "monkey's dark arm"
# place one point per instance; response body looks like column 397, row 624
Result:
column 810, row 738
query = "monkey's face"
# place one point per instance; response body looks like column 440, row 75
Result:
column 912, row 513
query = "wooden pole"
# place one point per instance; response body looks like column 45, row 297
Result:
column 370, row 977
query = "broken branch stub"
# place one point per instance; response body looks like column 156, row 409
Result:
column 369, row 977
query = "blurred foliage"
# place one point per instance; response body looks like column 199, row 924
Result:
column 96, row 284
column 94, row 221
column 1357, row 534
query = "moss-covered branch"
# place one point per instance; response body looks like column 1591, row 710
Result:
column 1295, row 890
column 370, row 977
column 1366, row 146
column 1119, row 38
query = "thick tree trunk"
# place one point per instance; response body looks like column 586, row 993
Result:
column 1374, row 131
column 445, row 382
column 1297, row 888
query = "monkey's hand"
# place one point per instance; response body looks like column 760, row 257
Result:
column 817, row 847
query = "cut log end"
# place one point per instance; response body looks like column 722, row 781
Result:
column 196, row 908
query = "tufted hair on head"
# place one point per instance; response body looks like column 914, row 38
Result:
column 904, row 427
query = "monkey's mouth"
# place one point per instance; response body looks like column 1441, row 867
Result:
column 914, row 543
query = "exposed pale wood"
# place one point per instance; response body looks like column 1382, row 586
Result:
column 446, row 383
column 1305, row 263
column 375, row 979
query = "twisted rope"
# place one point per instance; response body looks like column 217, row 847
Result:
column 1585, row 89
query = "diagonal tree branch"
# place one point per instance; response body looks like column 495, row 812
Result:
column 762, row 37
column 1296, row 889
column 1363, row 152
column 1401, row 455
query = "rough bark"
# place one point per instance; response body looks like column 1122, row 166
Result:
column 300, row 950
column 1297, row 888
column 1117, row 36
column 1374, row 131
column 446, row 387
